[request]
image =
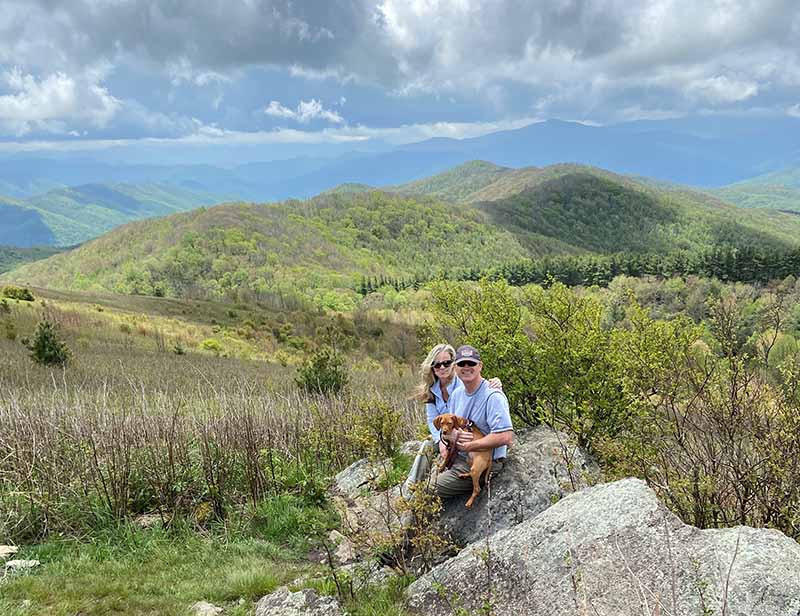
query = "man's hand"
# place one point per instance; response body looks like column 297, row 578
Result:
column 464, row 438
column 442, row 449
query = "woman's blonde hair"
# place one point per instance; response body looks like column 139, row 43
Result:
column 422, row 392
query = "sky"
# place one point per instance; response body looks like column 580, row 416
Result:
column 301, row 76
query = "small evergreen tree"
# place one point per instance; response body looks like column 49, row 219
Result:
column 323, row 373
column 45, row 346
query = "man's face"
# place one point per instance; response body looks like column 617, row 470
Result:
column 469, row 371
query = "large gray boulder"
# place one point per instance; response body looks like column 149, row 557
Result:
column 542, row 467
column 615, row 550
column 305, row 602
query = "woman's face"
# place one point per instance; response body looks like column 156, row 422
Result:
column 443, row 366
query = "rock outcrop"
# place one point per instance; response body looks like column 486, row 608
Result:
column 284, row 602
column 613, row 550
column 542, row 468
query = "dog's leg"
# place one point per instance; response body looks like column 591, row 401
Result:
column 476, row 473
column 476, row 488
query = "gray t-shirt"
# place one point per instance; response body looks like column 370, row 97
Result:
column 486, row 408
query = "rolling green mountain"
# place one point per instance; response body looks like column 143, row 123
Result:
column 318, row 250
column 11, row 256
column 456, row 184
column 69, row 216
column 315, row 250
column 779, row 190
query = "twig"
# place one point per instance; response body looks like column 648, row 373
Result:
column 728, row 577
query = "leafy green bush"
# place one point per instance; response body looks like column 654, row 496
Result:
column 706, row 414
column 213, row 345
column 45, row 346
column 548, row 346
column 323, row 373
column 376, row 429
column 19, row 293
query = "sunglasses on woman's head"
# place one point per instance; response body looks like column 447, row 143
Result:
column 442, row 364
column 466, row 364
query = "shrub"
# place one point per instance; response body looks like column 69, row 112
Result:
column 537, row 341
column 19, row 293
column 376, row 429
column 323, row 373
column 4, row 307
column 213, row 345
column 45, row 346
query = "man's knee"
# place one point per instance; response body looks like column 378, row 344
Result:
column 449, row 483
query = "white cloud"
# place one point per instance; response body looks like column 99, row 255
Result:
column 723, row 89
column 576, row 56
column 794, row 111
column 51, row 102
column 305, row 112
column 181, row 71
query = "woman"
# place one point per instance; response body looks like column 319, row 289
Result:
column 438, row 381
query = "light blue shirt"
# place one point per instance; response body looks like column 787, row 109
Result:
column 485, row 407
column 439, row 406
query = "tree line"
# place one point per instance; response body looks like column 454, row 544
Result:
column 727, row 263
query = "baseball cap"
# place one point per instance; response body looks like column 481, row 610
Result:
column 467, row 352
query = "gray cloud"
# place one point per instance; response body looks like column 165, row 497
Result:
column 600, row 59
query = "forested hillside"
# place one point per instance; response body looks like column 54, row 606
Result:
column 315, row 250
column 331, row 249
column 11, row 256
column 458, row 183
column 778, row 190
column 69, row 216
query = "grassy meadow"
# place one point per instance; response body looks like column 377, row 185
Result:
column 159, row 469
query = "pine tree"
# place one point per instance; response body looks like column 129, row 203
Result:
column 45, row 347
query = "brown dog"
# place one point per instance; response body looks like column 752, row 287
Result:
column 481, row 461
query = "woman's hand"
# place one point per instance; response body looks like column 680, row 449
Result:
column 495, row 383
column 442, row 449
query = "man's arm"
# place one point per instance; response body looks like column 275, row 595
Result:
column 490, row 441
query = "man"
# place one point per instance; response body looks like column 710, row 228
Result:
column 486, row 408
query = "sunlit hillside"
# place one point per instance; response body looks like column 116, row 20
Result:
column 321, row 251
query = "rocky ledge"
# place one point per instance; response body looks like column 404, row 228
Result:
column 613, row 550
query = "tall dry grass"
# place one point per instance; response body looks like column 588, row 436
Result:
column 129, row 430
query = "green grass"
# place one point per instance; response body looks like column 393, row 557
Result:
column 372, row 600
column 134, row 572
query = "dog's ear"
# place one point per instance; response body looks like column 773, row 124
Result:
column 461, row 422
column 437, row 422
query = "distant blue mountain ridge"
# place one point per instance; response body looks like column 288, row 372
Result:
column 66, row 200
column 705, row 152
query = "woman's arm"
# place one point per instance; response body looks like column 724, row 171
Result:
column 431, row 413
